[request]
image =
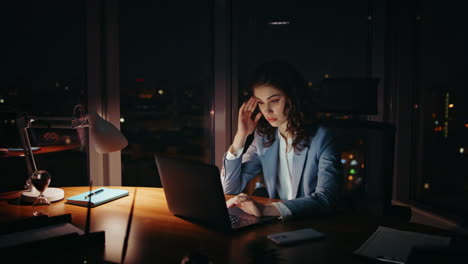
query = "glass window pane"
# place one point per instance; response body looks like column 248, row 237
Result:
column 306, row 33
column 166, row 84
column 442, row 154
column 42, row 74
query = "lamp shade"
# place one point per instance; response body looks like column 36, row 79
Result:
column 107, row 137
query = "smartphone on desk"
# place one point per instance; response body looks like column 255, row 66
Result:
column 296, row 236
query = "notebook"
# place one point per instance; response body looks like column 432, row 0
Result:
column 194, row 192
column 97, row 197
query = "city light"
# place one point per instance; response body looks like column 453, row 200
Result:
column 145, row 95
column 450, row 105
column 161, row 92
column 326, row 76
column 446, row 114
column 275, row 23
column 350, row 177
column 462, row 150
column 446, row 129
column 354, row 162
column 352, row 171
column 2, row 100
column 343, row 161
column 122, row 120
column 426, row 186
column 351, row 156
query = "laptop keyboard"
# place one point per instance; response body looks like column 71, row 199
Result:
column 236, row 220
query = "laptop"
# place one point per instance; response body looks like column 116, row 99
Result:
column 194, row 192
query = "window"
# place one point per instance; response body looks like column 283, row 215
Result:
column 166, row 80
column 440, row 120
column 321, row 40
column 43, row 74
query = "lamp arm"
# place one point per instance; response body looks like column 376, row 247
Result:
column 67, row 122
column 23, row 125
column 78, row 120
column 24, row 122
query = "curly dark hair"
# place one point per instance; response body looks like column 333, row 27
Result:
column 283, row 76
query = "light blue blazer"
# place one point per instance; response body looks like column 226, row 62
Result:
column 317, row 173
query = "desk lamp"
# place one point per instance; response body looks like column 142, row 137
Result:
column 107, row 139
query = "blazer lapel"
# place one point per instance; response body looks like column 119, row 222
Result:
column 269, row 158
column 299, row 159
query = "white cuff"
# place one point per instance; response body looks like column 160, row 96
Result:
column 233, row 156
column 284, row 211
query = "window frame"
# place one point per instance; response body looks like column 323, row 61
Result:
column 103, row 85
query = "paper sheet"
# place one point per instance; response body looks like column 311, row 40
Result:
column 397, row 244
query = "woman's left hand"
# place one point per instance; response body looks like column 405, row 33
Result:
column 247, row 204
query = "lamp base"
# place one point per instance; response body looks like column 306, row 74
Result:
column 52, row 194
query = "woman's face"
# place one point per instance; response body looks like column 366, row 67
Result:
column 271, row 103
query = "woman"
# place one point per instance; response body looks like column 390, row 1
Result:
column 300, row 164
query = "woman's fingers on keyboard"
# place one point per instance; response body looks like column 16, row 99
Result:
column 237, row 200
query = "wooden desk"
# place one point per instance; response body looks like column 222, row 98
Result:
column 157, row 236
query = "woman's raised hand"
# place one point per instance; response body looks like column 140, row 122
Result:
column 246, row 122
